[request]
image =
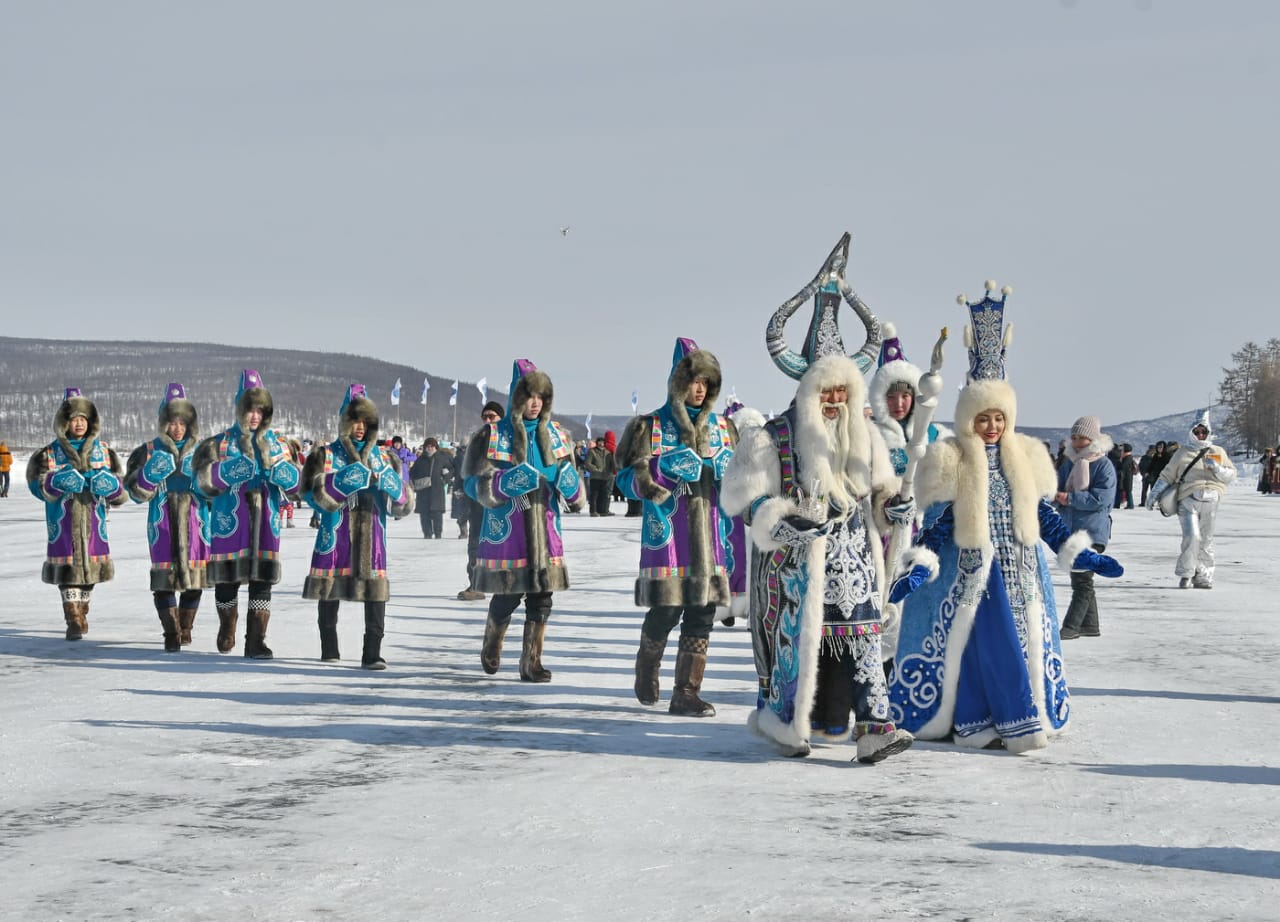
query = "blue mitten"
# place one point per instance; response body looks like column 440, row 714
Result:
column 237, row 470
column 908, row 583
column 519, row 480
column 681, row 464
column 389, row 482
column 67, row 480
column 567, row 480
column 350, row 479
column 1098, row 563
column 284, row 474
column 900, row 511
column 104, row 483
column 719, row 462
column 159, row 466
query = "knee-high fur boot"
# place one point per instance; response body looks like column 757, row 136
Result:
column 169, row 625
column 531, row 657
column 255, row 633
column 76, row 614
column 186, row 621
column 228, row 616
column 648, row 667
column 491, row 651
column 691, row 663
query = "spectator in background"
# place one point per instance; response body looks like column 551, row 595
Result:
column 431, row 474
column 6, row 462
column 601, row 469
column 1125, row 472
column 1086, row 485
column 1266, row 469
column 489, row 416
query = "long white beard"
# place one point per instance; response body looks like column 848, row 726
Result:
column 839, row 446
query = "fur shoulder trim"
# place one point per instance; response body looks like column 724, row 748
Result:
column 938, row 473
column 754, row 471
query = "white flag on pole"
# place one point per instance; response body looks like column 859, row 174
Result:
column 395, row 394
column 588, row 424
column 453, row 395
column 635, row 399
column 426, row 386
column 483, row 387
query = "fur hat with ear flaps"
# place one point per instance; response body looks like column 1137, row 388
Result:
column 688, row 363
column 76, row 404
column 527, row 380
column 250, row 394
column 175, row 406
column 357, row 407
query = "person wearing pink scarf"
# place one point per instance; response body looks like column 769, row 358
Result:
column 1086, row 493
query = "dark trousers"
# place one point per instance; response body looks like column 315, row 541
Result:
column 226, row 593
column 432, row 522
column 475, row 517
column 598, row 494
column 1082, row 613
column 190, row 598
column 695, row 621
column 537, row 607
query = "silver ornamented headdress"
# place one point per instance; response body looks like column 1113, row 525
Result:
column 823, row 338
column 986, row 336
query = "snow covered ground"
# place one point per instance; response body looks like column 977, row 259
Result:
column 144, row 785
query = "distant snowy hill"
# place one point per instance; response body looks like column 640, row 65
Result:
column 126, row 380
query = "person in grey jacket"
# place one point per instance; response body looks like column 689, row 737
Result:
column 1086, row 492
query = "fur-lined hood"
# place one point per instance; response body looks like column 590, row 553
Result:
column 75, row 404
column 252, row 393
column 695, row 364
column 358, row 408
column 176, row 406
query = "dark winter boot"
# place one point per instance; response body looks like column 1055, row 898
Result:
column 227, row 618
column 375, row 614
column 77, row 621
column 491, row 652
column 328, row 622
column 186, row 621
column 169, row 624
column 255, row 634
column 531, row 657
column 648, row 666
column 691, row 662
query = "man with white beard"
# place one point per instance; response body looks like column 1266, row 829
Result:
column 816, row 487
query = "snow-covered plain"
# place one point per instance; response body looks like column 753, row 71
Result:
column 144, row 785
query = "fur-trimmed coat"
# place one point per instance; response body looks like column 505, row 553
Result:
column 683, row 534
column 350, row 557
column 177, row 515
column 978, row 651
column 245, row 517
column 774, row 469
column 1090, row 509
column 520, row 547
column 78, row 553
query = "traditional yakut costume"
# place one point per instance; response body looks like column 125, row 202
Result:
column 160, row 473
column 674, row 459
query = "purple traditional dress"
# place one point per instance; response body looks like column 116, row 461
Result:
column 77, row 478
column 247, row 472
column 353, row 483
column 673, row 460
column 520, row 470
column 160, row 474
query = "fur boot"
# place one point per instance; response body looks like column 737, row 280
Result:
column 531, row 658
column 227, row 619
column 491, row 652
column 328, row 623
column 76, row 614
column 169, row 625
column 255, row 633
column 648, row 666
column 186, row 621
column 691, row 663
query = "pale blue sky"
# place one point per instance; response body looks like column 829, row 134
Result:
column 390, row 178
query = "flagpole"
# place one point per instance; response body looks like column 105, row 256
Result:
column 455, row 423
